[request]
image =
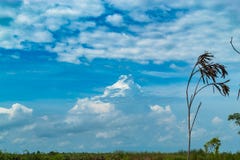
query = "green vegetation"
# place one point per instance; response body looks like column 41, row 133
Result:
column 119, row 155
column 236, row 118
column 212, row 146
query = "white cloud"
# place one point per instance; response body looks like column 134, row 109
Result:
column 139, row 16
column 24, row 19
column 41, row 37
column 7, row 40
column 182, row 38
column 100, row 119
column 119, row 88
column 104, row 106
column 176, row 67
column 87, row 105
column 68, row 56
column 153, row 40
column 131, row 4
column 61, row 12
column 216, row 120
column 70, row 9
column 163, row 115
column 163, row 74
column 159, row 109
column 36, row 17
column 7, row 10
column 81, row 26
column 17, row 110
column 115, row 19
column 55, row 23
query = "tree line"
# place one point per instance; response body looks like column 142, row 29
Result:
column 119, row 155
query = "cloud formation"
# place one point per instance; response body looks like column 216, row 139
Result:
column 16, row 111
column 96, row 118
column 121, row 87
column 115, row 19
column 101, row 122
column 91, row 106
column 144, row 36
column 139, row 31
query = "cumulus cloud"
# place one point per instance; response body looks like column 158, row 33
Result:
column 24, row 19
column 41, row 36
column 97, row 119
column 115, row 19
column 159, row 109
column 17, row 119
column 91, row 106
column 16, row 111
column 164, row 114
column 102, row 104
column 121, row 87
column 99, row 110
column 105, row 116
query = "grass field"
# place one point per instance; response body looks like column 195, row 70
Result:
column 118, row 155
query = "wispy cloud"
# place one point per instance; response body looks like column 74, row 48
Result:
column 164, row 74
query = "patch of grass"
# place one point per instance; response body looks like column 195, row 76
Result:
column 119, row 155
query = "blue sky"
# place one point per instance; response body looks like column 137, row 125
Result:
column 106, row 75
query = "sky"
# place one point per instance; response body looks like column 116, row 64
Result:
column 107, row 75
